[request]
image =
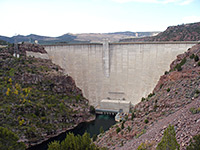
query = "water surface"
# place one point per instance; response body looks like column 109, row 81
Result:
column 93, row 127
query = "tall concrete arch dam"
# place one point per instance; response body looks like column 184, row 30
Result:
column 116, row 72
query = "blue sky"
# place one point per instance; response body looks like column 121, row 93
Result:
column 57, row 17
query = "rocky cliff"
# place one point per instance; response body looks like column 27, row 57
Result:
column 37, row 100
column 175, row 100
column 185, row 32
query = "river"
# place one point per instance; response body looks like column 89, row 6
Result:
column 93, row 127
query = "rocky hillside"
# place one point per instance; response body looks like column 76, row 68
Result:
column 37, row 100
column 185, row 32
column 175, row 100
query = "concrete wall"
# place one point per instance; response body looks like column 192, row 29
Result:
column 115, row 105
column 37, row 55
column 127, row 71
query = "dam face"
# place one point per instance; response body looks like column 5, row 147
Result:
column 126, row 71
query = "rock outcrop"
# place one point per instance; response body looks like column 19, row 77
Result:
column 37, row 100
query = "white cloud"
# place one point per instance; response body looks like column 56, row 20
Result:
column 186, row 2
column 191, row 19
column 181, row 2
column 125, row 1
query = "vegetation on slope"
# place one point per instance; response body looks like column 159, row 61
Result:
column 36, row 99
column 9, row 140
column 72, row 142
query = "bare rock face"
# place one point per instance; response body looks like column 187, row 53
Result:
column 175, row 100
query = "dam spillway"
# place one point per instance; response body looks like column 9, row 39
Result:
column 126, row 71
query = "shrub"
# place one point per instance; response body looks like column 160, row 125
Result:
column 118, row 130
column 94, row 137
column 166, row 72
column 8, row 140
column 132, row 116
column 92, row 109
column 192, row 56
column 198, row 63
column 129, row 128
column 161, row 86
column 168, row 89
column 139, row 134
column 197, row 91
column 143, row 99
column 194, row 143
column 194, row 110
column 179, row 66
column 196, row 58
column 122, row 126
column 146, row 121
column 151, row 94
column 101, row 130
column 168, row 141
column 145, row 146
column 55, row 145
column 155, row 107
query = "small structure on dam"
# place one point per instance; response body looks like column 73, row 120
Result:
column 115, row 105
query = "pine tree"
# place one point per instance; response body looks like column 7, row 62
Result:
column 194, row 143
column 168, row 141
column 8, row 140
column 55, row 145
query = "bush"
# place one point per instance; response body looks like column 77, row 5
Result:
column 146, row 121
column 92, row 109
column 55, row 145
column 145, row 146
column 118, row 130
column 122, row 126
column 129, row 128
column 168, row 89
column 143, row 99
column 192, row 56
column 196, row 58
column 8, row 140
column 194, row 110
column 194, row 143
column 168, row 141
column 179, row 66
column 132, row 116
column 94, row 137
column 151, row 94
column 101, row 130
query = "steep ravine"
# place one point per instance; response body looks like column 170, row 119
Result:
column 175, row 100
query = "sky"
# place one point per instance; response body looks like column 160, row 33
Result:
column 57, row 17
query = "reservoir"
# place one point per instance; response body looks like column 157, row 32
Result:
column 93, row 127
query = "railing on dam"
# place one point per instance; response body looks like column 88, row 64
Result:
column 124, row 43
column 106, row 111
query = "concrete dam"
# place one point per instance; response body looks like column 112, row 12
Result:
column 116, row 71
